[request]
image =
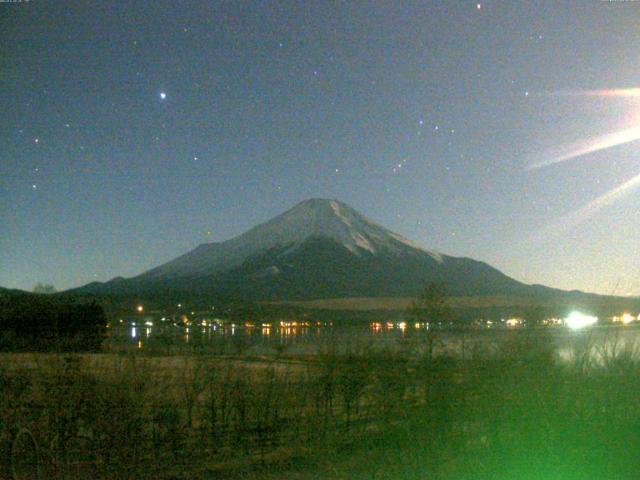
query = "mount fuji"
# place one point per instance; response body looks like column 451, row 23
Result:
column 318, row 249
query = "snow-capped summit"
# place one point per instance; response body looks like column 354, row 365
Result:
column 319, row 217
column 318, row 249
column 313, row 218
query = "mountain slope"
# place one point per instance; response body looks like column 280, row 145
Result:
column 312, row 218
column 318, row 249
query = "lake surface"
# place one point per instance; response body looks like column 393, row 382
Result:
column 293, row 338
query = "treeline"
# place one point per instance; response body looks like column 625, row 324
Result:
column 48, row 323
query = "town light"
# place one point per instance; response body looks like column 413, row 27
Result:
column 514, row 322
column 577, row 320
column 626, row 318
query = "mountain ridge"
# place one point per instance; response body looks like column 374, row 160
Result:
column 320, row 248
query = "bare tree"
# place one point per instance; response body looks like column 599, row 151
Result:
column 431, row 308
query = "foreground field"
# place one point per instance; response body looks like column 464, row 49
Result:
column 506, row 411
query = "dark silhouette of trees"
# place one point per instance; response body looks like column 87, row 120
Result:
column 432, row 305
column 38, row 322
column 44, row 288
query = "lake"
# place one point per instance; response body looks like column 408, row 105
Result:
column 306, row 338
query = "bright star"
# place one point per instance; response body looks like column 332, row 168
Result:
column 163, row 95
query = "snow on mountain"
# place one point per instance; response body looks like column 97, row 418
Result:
column 311, row 218
column 319, row 249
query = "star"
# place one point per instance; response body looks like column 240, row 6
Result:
column 36, row 140
column 34, row 186
column 163, row 95
column 479, row 6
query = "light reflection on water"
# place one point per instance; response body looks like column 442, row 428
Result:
column 309, row 337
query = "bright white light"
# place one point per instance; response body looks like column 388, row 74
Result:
column 163, row 95
column 611, row 92
column 625, row 319
column 594, row 144
column 577, row 320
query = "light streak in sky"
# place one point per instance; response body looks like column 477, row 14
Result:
column 611, row 92
column 595, row 144
column 608, row 198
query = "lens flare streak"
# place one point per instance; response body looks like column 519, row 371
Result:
column 598, row 143
column 608, row 198
column 610, row 92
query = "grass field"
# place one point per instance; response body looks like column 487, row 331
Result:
column 506, row 410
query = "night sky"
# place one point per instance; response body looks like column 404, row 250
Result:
column 130, row 132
